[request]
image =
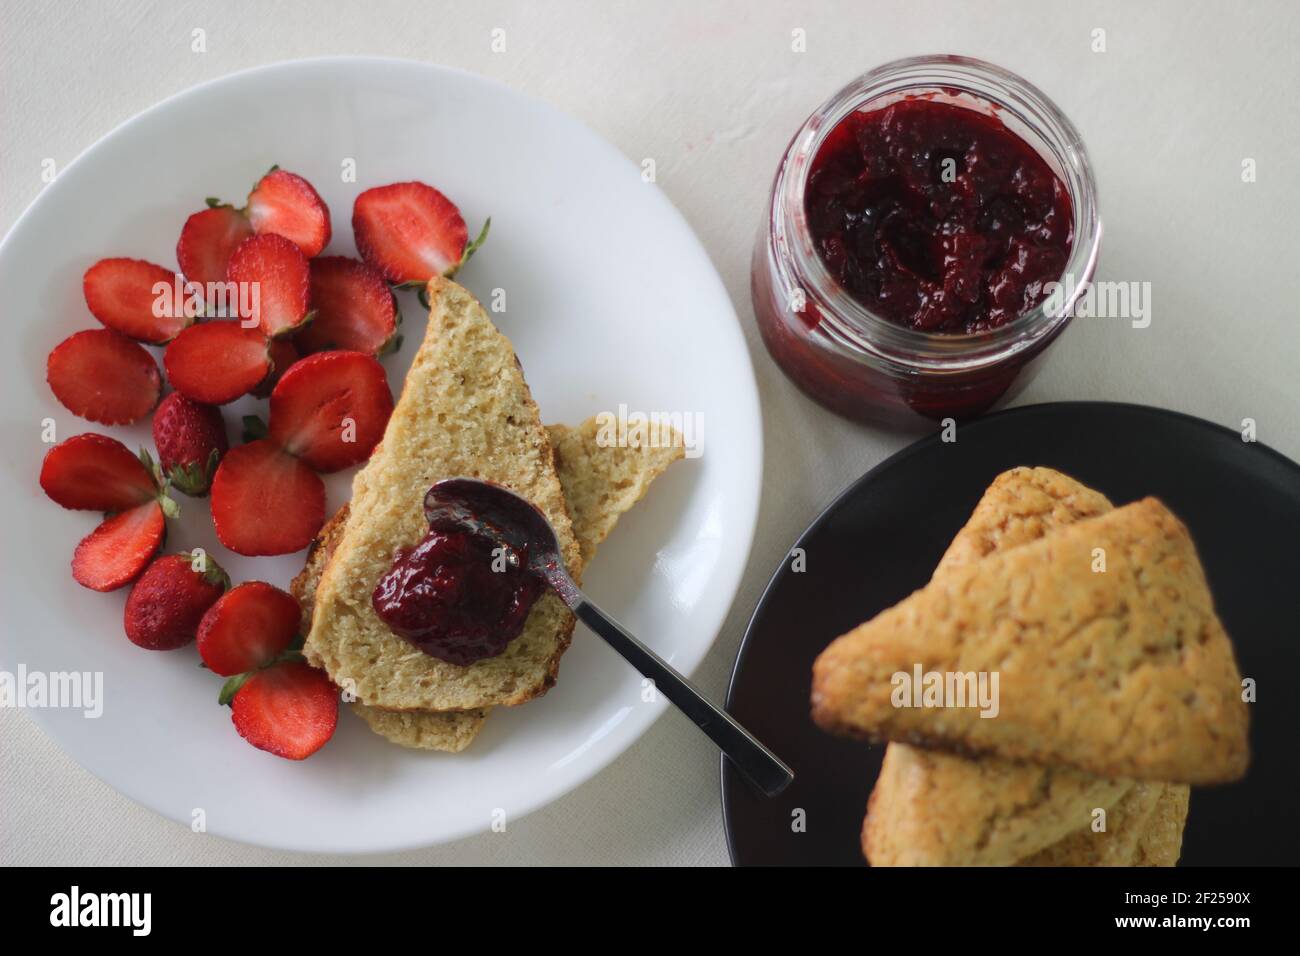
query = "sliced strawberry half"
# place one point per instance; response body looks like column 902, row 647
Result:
column 117, row 552
column 207, row 241
column 330, row 409
column 283, row 354
column 354, row 307
column 216, row 362
column 126, row 295
column 275, row 272
column 265, row 501
column 289, row 709
column 248, row 628
column 411, row 232
column 96, row 473
column 104, row 377
column 285, row 204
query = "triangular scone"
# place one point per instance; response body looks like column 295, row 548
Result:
column 465, row 410
column 1018, row 507
column 1011, row 811
column 600, row 482
column 936, row 809
column 1125, row 672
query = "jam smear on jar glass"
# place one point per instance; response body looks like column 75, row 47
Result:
column 455, row 598
column 937, row 217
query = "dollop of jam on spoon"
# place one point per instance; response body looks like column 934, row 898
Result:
column 464, row 591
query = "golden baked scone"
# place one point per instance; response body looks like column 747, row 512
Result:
column 958, row 811
column 465, row 410
column 600, row 482
column 449, row 731
column 935, row 809
column 1125, row 672
column 1117, row 845
column 1020, row 506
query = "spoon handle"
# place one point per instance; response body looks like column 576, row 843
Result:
column 758, row 764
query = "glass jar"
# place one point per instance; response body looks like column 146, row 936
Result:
column 862, row 365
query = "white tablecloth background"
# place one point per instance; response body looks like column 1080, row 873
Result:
column 1183, row 93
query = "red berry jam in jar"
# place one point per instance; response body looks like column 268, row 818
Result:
column 916, row 223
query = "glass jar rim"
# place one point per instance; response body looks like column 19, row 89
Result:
column 852, row 323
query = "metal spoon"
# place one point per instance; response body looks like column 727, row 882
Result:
column 529, row 540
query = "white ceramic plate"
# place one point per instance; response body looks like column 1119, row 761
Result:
column 609, row 299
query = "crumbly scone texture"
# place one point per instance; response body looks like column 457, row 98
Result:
column 601, row 482
column 448, row 731
column 1125, row 672
column 451, row 731
column 1126, row 823
column 1161, row 841
column 1018, row 507
column 465, row 411
column 931, row 808
column 303, row 586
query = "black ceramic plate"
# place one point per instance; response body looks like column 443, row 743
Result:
column 881, row 539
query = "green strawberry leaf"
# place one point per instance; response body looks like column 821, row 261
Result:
column 474, row 246
column 230, row 688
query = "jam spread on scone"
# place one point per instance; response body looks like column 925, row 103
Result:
column 455, row 597
column 938, row 217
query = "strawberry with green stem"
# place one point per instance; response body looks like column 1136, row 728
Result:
column 190, row 438
column 169, row 600
column 411, row 232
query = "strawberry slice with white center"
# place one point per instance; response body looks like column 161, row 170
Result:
column 104, row 377
column 411, row 232
column 355, row 309
column 289, row 709
column 265, row 501
column 274, row 283
column 117, row 552
column 216, row 362
column 127, row 296
column 330, row 409
column 248, row 627
column 207, row 241
column 287, row 205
